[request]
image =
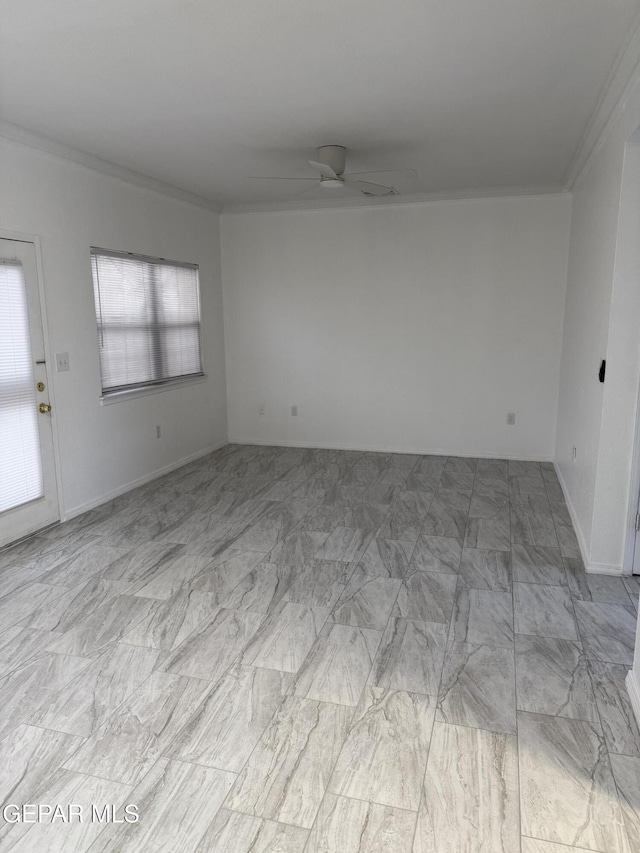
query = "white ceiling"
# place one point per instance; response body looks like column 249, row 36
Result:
column 473, row 94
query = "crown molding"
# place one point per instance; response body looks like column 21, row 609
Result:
column 20, row 136
column 394, row 200
column 623, row 76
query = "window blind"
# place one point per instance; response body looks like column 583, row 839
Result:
column 148, row 318
column 20, row 461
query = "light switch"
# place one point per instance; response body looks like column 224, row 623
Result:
column 62, row 361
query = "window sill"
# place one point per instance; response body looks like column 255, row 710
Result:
column 135, row 393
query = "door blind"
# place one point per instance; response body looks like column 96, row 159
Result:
column 20, row 461
column 148, row 318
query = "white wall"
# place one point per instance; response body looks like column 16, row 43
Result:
column 410, row 327
column 105, row 449
column 602, row 319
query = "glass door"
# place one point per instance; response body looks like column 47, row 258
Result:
column 28, row 490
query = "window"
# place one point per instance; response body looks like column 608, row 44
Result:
column 148, row 317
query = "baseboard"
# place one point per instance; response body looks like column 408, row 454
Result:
column 603, row 569
column 589, row 566
column 133, row 484
column 633, row 689
column 584, row 552
column 365, row 448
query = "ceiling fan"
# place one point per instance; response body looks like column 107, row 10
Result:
column 330, row 167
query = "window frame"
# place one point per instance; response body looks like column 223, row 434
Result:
column 152, row 386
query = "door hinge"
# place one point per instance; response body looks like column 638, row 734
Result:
column 637, row 521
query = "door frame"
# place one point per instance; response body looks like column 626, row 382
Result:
column 34, row 239
column 634, row 498
column 626, row 270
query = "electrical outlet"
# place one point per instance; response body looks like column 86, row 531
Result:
column 574, row 453
column 261, row 410
column 294, row 411
column 158, row 431
column 511, row 418
column 62, row 361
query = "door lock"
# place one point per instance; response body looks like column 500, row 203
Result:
column 40, row 386
column 44, row 408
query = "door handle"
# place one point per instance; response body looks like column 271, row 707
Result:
column 44, row 408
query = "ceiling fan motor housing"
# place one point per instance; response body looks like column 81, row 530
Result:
column 334, row 156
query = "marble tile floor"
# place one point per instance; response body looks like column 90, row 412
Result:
column 280, row 650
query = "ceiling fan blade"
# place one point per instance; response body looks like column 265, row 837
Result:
column 274, row 178
column 325, row 171
column 368, row 188
column 410, row 173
